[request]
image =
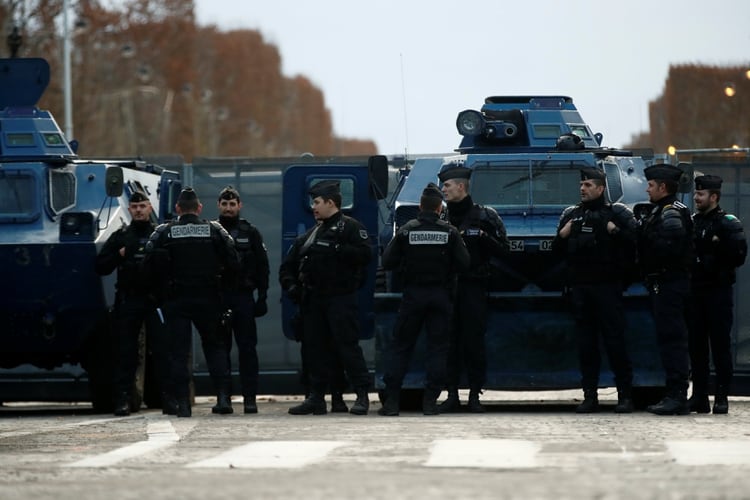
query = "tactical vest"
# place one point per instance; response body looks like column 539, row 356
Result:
column 426, row 259
column 194, row 264
column 246, row 280
column 321, row 267
column 130, row 278
column 716, row 261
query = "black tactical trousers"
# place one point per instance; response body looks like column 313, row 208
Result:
column 710, row 319
column 245, row 331
column 331, row 328
column 422, row 306
column 599, row 312
column 668, row 302
column 204, row 312
column 466, row 345
column 132, row 312
column 336, row 376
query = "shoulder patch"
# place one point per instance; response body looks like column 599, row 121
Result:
column 730, row 217
column 363, row 234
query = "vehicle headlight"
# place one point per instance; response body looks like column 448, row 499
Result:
column 470, row 122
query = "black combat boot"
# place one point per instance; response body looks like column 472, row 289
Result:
column 122, row 404
column 249, row 404
column 452, row 403
column 362, row 404
column 699, row 403
column 314, row 404
column 624, row 400
column 183, row 408
column 429, row 402
column 392, row 403
column 223, row 404
column 474, row 405
column 590, row 402
column 337, row 402
column 674, row 403
column 721, row 401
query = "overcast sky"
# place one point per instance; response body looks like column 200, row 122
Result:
column 398, row 72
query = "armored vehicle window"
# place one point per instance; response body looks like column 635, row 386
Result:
column 580, row 131
column 17, row 196
column 19, row 140
column 53, row 139
column 525, row 185
column 347, row 191
column 550, row 131
column 614, row 182
column 62, row 190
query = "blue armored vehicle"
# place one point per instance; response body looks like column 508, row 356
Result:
column 56, row 210
column 526, row 153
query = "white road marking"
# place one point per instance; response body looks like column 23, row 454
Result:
column 714, row 452
column 57, row 428
column 484, row 453
column 160, row 435
column 272, row 454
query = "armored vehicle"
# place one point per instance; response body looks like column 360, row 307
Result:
column 56, row 210
column 526, row 153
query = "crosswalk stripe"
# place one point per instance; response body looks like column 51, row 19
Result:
column 272, row 454
column 697, row 452
column 160, row 435
column 483, row 453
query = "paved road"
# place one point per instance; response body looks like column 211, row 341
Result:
column 530, row 445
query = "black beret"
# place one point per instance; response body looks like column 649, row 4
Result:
column 453, row 171
column 663, row 172
column 137, row 197
column 229, row 193
column 187, row 194
column 592, row 174
column 707, row 182
column 325, row 188
column 432, row 191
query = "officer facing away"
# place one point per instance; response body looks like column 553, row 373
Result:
column 135, row 303
column 597, row 239
column 189, row 254
column 485, row 237
column 665, row 252
column 323, row 271
column 720, row 247
column 427, row 252
column 238, row 297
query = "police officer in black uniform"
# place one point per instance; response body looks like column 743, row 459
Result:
column 484, row 233
column 720, row 247
column 665, row 252
column 189, row 255
column 427, row 252
column 238, row 294
column 597, row 239
column 135, row 303
column 323, row 271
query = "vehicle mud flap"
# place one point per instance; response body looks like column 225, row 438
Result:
column 98, row 361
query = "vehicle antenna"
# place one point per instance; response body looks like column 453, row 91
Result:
column 403, row 96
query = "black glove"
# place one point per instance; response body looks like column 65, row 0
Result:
column 261, row 308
